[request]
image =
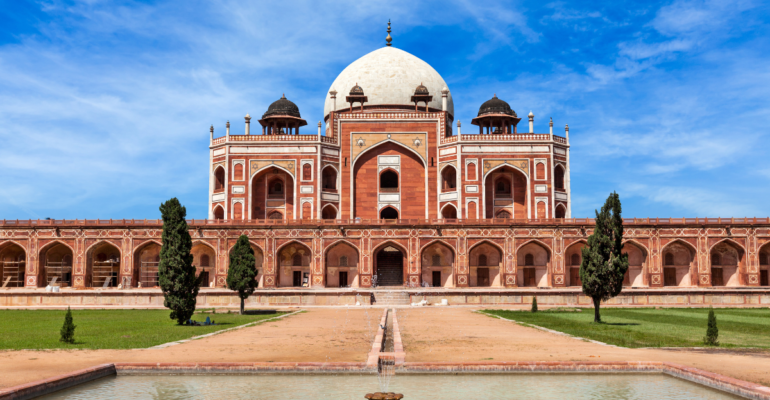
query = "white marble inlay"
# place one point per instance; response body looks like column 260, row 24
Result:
column 390, row 197
column 270, row 150
column 451, row 150
column 447, row 196
column 218, row 197
column 561, row 196
column 306, row 189
column 330, row 196
column 471, row 188
column 506, row 149
column 541, row 189
column 239, row 189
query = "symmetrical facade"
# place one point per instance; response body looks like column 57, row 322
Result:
column 388, row 192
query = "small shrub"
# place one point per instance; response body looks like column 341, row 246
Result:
column 712, row 333
column 534, row 304
column 68, row 329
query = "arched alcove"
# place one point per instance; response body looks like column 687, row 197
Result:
column 55, row 265
column 329, row 212
column 449, row 212
column 272, row 189
column 219, row 179
column 388, row 213
column 389, row 262
column 13, row 264
column 437, row 265
column 637, row 265
column 146, row 261
column 204, row 260
column 449, row 179
column 534, row 261
column 573, row 256
column 678, row 263
column 103, row 265
column 342, row 265
column 726, row 262
column 329, row 179
column 505, row 189
column 259, row 258
column 486, row 262
column 294, row 264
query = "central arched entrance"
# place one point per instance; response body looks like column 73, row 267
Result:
column 390, row 267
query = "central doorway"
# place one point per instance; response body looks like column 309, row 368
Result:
column 390, row 267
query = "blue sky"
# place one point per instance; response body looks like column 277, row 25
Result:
column 105, row 105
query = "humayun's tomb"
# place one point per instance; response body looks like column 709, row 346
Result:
column 390, row 192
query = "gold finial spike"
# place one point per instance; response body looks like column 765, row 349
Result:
column 388, row 39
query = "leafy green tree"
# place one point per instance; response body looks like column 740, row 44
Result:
column 712, row 332
column 242, row 272
column 534, row 304
column 603, row 266
column 68, row 329
column 175, row 271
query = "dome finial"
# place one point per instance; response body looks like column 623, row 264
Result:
column 388, row 39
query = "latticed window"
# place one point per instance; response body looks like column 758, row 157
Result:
column 297, row 261
column 669, row 259
column 436, row 260
column 716, row 259
column 529, row 259
column 205, row 260
column 483, row 260
column 344, row 261
column 576, row 259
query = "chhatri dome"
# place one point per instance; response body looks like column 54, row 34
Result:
column 388, row 76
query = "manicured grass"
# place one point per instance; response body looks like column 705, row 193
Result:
column 650, row 327
column 107, row 329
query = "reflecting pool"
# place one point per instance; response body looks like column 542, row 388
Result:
column 414, row 387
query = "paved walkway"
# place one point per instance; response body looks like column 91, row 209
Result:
column 346, row 334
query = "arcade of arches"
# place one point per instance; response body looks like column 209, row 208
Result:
column 397, row 256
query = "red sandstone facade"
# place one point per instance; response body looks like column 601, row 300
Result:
column 388, row 194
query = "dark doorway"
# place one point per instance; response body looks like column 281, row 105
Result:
column 482, row 277
column 763, row 278
column 716, row 277
column 204, row 279
column 436, row 278
column 529, row 277
column 669, row 276
column 344, row 279
column 297, row 279
column 627, row 279
column 574, row 277
column 390, row 267
column 388, row 213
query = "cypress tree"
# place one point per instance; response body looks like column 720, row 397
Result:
column 534, row 304
column 604, row 266
column 242, row 272
column 175, row 271
column 68, row 329
column 712, row 332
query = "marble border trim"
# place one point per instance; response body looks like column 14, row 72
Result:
column 50, row 385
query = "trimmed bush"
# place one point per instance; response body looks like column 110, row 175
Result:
column 68, row 329
column 534, row 304
column 712, row 332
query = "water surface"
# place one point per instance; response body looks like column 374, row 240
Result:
column 414, row 387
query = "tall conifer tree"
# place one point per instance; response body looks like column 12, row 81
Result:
column 604, row 266
column 242, row 272
column 175, row 271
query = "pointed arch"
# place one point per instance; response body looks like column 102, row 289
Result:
column 378, row 144
column 341, row 262
column 493, row 244
column 329, row 211
column 330, row 178
column 447, row 214
column 487, row 201
column 388, row 268
column 219, row 178
column 389, row 212
column 561, row 211
column 13, row 264
column 448, row 178
column 219, row 212
column 728, row 240
column 62, row 269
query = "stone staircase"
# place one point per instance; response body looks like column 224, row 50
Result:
column 391, row 298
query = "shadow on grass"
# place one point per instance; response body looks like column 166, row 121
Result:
column 260, row 312
column 620, row 323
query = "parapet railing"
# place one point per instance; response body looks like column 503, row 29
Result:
column 395, row 222
column 496, row 137
column 274, row 138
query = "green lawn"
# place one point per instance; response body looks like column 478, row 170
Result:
column 107, row 329
column 649, row 327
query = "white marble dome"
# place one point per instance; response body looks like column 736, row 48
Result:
column 388, row 76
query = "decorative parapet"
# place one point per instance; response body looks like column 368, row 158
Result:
column 518, row 137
